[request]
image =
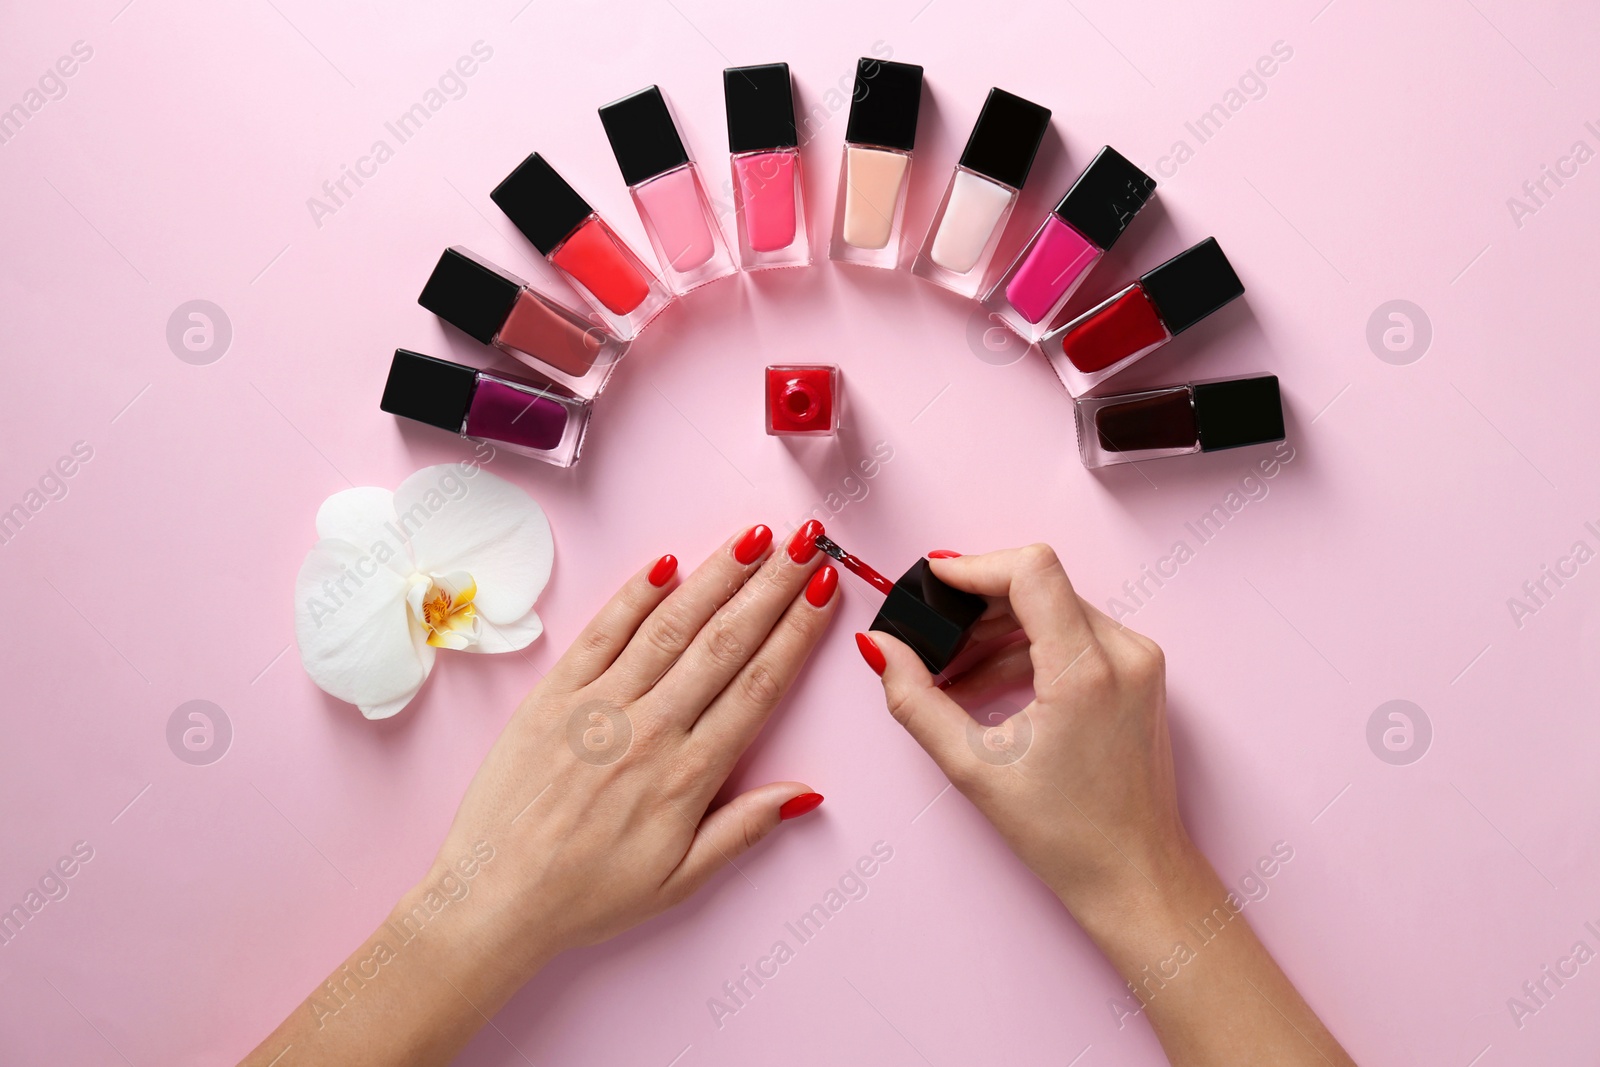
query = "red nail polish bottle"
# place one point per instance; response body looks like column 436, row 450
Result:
column 803, row 399
column 1146, row 315
column 578, row 243
column 1179, row 421
column 932, row 617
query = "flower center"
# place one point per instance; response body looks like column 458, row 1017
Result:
column 443, row 604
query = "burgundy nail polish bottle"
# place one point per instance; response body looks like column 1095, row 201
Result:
column 803, row 399
column 535, row 419
column 495, row 307
column 769, row 195
column 1179, row 420
column 1146, row 315
column 932, row 617
column 667, row 191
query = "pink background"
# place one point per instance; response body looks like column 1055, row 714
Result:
column 1376, row 166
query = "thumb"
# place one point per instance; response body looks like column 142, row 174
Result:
column 936, row 722
column 735, row 828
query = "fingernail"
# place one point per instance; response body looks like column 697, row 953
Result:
column 752, row 544
column 872, row 654
column 819, row 590
column 663, row 571
column 798, row 806
column 943, row 553
column 804, row 544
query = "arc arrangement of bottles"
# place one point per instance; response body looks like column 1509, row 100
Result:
column 571, row 352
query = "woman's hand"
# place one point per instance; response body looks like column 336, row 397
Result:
column 1080, row 784
column 589, row 815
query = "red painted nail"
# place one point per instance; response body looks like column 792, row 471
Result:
column 752, row 544
column 803, row 546
column 798, row 806
column 663, row 571
column 872, row 654
column 943, row 553
column 819, row 590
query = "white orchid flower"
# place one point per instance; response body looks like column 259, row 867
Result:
column 453, row 558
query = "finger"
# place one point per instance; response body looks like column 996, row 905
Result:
column 1008, row 666
column 733, row 829
column 662, row 637
column 600, row 642
column 933, row 720
column 737, row 714
column 726, row 643
column 990, row 627
column 1040, row 594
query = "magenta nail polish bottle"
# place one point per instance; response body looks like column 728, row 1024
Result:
column 769, row 195
column 534, row 419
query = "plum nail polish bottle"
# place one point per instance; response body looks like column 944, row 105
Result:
column 1179, row 420
column 803, row 400
column 876, row 171
column 666, row 189
column 530, row 418
column 577, row 242
column 495, row 307
column 1073, row 238
column 966, row 229
column 769, row 196
column 1146, row 315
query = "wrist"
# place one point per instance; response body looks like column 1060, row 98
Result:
column 1140, row 905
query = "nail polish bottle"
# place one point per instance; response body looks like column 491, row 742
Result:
column 1179, row 420
column 535, row 419
column 666, row 189
column 932, row 617
column 577, row 242
column 495, row 307
column 1073, row 238
column 1146, row 315
column 769, row 197
column 876, row 170
column 803, row 400
column 966, row 229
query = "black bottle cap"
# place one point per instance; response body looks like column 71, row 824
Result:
column 1192, row 284
column 643, row 136
column 933, row 618
column 760, row 107
column 1238, row 411
column 1006, row 138
column 470, row 293
column 1106, row 197
column 429, row 390
column 540, row 203
column 884, row 109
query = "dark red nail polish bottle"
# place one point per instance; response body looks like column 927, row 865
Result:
column 1146, row 315
column 535, row 419
column 1179, row 421
column 803, row 399
column 932, row 617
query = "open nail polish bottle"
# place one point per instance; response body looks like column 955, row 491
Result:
column 535, row 419
column 769, row 196
column 803, row 400
column 1146, row 315
column 495, row 307
column 666, row 189
column 1179, row 420
column 933, row 618
column 966, row 229
column 878, row 142
column 577, row 242
column 1073, row 238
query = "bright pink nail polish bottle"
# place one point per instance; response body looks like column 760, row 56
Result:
column 667, row 191
column 769, row 197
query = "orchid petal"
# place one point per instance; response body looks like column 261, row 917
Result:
column 364, row 517
column 508, row 636
column 357, row 640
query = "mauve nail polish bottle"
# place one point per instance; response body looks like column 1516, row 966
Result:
column 534, row 419
column 666, row 189
column 495, row 307
column 1146, row 315
column 769, row 196
column 876, row 170
column 1179, row 420
column 578, row 242
column 1073, row 238
column 967, row 227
